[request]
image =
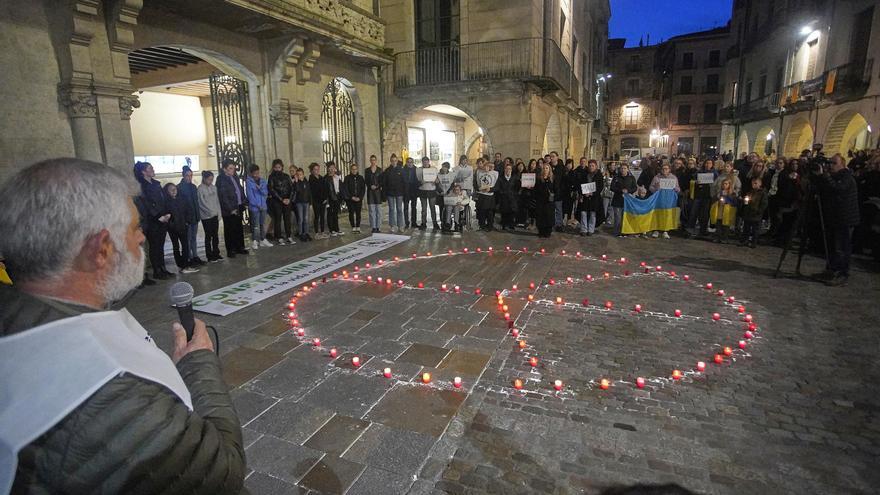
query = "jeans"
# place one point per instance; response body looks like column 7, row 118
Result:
column 212, row 242
column 375, row 215
column 156, row 232
column 333, row 216
column 558, row 214
column 354, row 213
column 428, row 204
column 838, row 258
column 192, row 234
column 395, row 211
column 258, row 222
column 410, row 205
column 302, row 218
column 320, row 217
column 750, row 230
column 180, row 244
column 617, row 218
column 588, row 222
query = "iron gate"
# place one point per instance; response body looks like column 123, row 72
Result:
column 338, row 126
column 232, row 123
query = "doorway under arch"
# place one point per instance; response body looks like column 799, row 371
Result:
column 847, row 131
column 742, row 145
column 340, row 132
column 765, row 141
column 553, row 138
column 440, row 131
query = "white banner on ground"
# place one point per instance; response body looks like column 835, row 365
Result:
column 232, row 298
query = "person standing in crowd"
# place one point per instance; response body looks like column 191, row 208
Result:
column 758, row 171
column 411, row 186
column 354, row 189
column 373, row 181
column 569, row 195
column 624, row 183
column 464, row 175
column 649, row 170
column 723, row 211
column 232, row 204
column 209, row 211
column 177, row 228
column 486, row 180
column 838, row 189
column 753, row 207
column 788, row 197
column 157, row 217
column 702, row 203
column 280, row 196
column 684, row 174
column 589, row 204
column 667, row 175
column 445, row 179
column 334, row 198
column 526, row 211
column 730, row 173
column 608, row 173
column 173, row 431
column 187, row 190
column 319, row 195
column 302, row 199
column 545, row 201
column 258, row 193
column 497, row 164
column 507, row 196
column 395, row 189
column 428, row 193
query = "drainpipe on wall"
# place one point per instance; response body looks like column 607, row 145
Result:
column 380, row 87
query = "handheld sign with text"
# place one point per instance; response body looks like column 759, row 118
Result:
column 588, row 188
column 527, row 180
column 429, row 174
column 706, row 178
column 667, row 183
column 446, row 182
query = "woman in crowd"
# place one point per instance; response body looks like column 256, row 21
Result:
column 758, row 171
column 526, row 210
column 209, row 211
column 428, row 193
column 608, row 173
column 568, row 192
column 787, row 197
column 333, row 186
column 319, row 194
column 354, row 189
column 188, row 192
column 177, row 227
column 660, row 180
column 280, row 194
column 157, row 217
column 699, row 216
column 373, row 181
column 302, row 199
column 624, row 183
column 589, row 205
column 257, row 193
column 485, row 183
column 411, row 186
column 544, row 195
column 507, row 196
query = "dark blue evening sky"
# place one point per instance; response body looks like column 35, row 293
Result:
column 663, row 19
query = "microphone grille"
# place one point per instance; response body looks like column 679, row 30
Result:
column 181, row 294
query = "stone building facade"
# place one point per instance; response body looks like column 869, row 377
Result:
column 633, row 98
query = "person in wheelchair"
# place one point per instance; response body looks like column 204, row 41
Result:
column 456, row 208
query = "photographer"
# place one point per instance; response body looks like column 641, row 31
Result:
column 839, row 191
column 89, row 403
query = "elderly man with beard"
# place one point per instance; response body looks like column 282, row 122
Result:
column 89, row 403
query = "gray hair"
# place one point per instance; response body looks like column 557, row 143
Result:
column 51, row 208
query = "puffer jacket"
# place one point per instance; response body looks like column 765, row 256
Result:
column 132, row 435
column 280, row 186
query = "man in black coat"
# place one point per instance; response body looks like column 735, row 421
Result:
column 839, row 191
column 232, row 203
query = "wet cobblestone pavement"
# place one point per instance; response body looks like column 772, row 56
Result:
column 794, row 411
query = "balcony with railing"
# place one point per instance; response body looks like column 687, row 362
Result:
column 756, row 109
column 536, row 60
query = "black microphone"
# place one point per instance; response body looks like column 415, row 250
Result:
column 181, row 295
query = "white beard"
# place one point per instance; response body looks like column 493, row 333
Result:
column 126, row 275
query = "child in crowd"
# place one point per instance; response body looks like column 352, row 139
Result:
column 257, row 193
column 753, row 208
column 302, row 198
column 724, row 210
column 177, row 228
column 209, row 211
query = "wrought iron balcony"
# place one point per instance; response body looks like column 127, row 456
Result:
column 759, row 108
column 536, row 60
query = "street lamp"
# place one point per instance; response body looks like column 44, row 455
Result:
column 806, row 30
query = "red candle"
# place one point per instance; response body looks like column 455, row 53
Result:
column 525, row 249
column 608, row 304
column 426, row 377
column 291, row 315
column 514, row 287
column 448, row 251
column 748, row 318
column 719, row 359
column 465, row 250
column 333, row 352
column 569, row 279
column 643, row 264
column 676, row 374
column 531, row 285
column 678, row 313
column 721, row 292
column 357, row 268
column 477, row 291
column 658, row 268
column 300, row 332
column 457, row 289
column 479, row 250
column 753, row 326
column 552, row 282
column 533, row 361
column 316, row 342
column 314, row 284
column 543, row 251
column 562, row 252
column 672, row 274
column 748, row 334
column 400, row 283
column 443, row 287
column 518, row 384
column 638, row 308
column 716, row 316
column 728, row 351
column 604, row 384
column 356, row 361
column 507, row 248
column 731, row 299
column 414, row 256
column 456, row 382
column 381, row 261
column 386, row 372
column 507, row 316
column 380, row 280
column 369, row 278
column 687, row 277
column 558, row 300
column 557, row 384
column 640, row 382
column 589, row 278
column 585, row 302
column 604, row 257
column 578, row 254
column 741, row 309
column 497, row 293
column 514, row 332
column 623, row 260
column 356, row 276
column 421, row 285
column 367, row 265
column 291, row 305
column 742, row 344
column 701, row 366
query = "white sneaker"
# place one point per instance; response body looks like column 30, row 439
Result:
column 655, row 234
column 340, row 233
column 290, row 241
column 666, row 235
column 189, row 269
column 332, row 234
column 357, row 230
column 266, row 243
column 255, row 245
column 281, row 242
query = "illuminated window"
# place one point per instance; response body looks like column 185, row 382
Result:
column 631, row 116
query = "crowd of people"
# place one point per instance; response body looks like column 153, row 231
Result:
column 747, row 200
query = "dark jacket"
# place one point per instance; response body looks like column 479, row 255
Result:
column 592, row 203
column 154, row 201
column 181, row 212
column 226, row 187
column 354, row 186
column 318, row 189
column 840, row 190
column 374, row 196
column 302, row 193
column 190, row 194
column 507, row 193
column 788, row 191
column 332, row 195
column 280, row 186
column 618, row 184
column 132, row 435
column 393, row 182
column 754, row 210
column 702, row 191
column 544, row 192
column 411, row 182
column 646, row 177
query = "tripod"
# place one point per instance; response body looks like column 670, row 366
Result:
column 800, row 227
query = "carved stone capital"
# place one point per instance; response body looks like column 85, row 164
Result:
column 127, row 104
column 280, row 116
column 299, row 110
column 301, row 60
column 79, row 102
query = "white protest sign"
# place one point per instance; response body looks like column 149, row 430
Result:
column 588, row 188
column 705, row 178
column 667, row 183
column 527, row 180
column 429, row 174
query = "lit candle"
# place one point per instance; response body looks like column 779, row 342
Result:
column 557, row 384
column 525, row 249
column 748, row 334
column 753, row 326
column 387, row 281
column 678, row 313
column 479, row 250
column 380, row 280
column 676, row 374
column 562, row 252
column 504, row 307
column 397, row 258
column 569, row 279
column 421, row 285
column 443, row 287
column 291, row 305
column 604, row 384
column 638, row 308
column 448, row 251
column 721, row 292
column 507, row 316
column 426, row 377
column 400, row 283
column 558, row 300
column 380, row 261
column 291, row 315
column 477, row 291
column 531, row 297
column 578, row 254
column 606, row 275
column 730, row 299
column 333, row 352
column 514, row 332
column 701, row 366
column 728, row 351
column 687, row 277
column 719, row 359
column 428, row 253
column 531, row 285
column 748, row 318
column 640, row 382
column 314, row 284
column 357, row 268
column 386, row 372
column 300, row 331
column 623, row 260
column 604, row 257
column 643, row 264
column 369, row 278
column 552, row 282
column 742, row 344
column 522, row 344
column 498, row 293
column 514, row 287
column 316, row 342
column 658, row 268
column 672, row 273
column 741, row 309
column 456, row 382
column 589, row 278
column 368, row 265
column 356, row 361
column 709, row 286
column 585, row 302
column 543, row 251
column 533, row 361
column 716, row 316
column 465, row 250
column 608, row 304
column 518, row 384
column 507, row 248
column 457, row 289
column 356, row 276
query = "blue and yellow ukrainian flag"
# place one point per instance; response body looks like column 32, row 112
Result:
column 658, row 211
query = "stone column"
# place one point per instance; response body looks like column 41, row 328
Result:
column 82, row 109
column 280, row 118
